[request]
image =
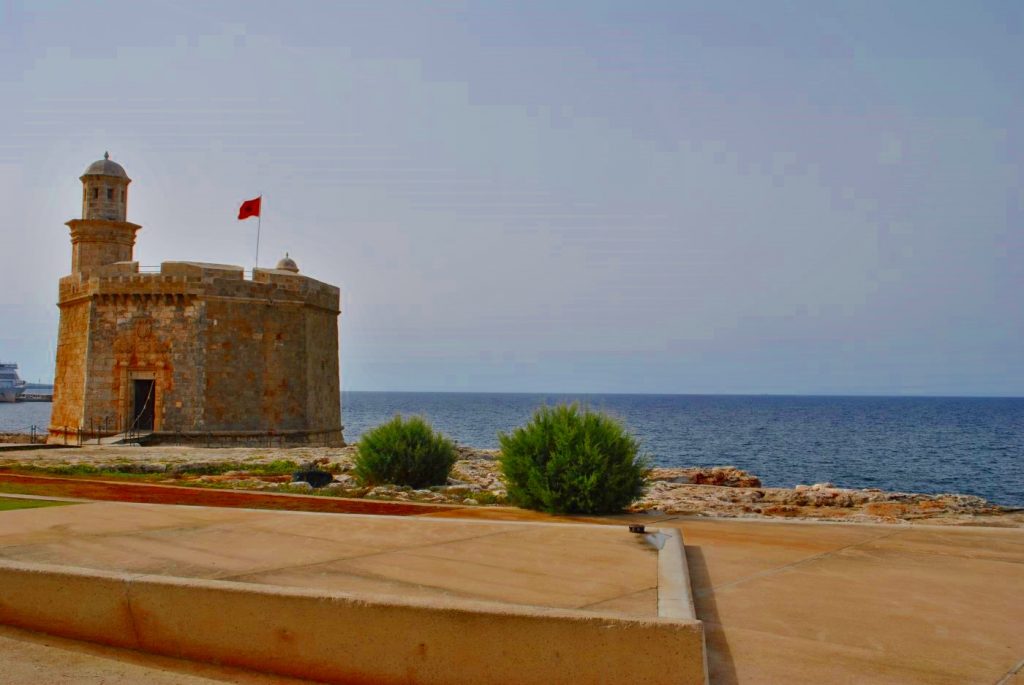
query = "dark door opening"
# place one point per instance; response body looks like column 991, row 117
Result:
column 142, row 416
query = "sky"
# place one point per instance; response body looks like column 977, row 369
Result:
column 656, row 197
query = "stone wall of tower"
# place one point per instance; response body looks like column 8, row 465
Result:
column 324, row 386
column 72, row 355
column 144, row 336
column 105, row 197
column 255, row 355
column 234, row 361
column 260, row 351
column 97, row 243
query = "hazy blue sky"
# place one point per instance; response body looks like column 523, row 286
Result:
column 724, row 197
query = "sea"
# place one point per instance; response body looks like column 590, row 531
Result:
column 913, row 444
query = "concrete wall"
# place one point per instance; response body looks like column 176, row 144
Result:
column 334, row 637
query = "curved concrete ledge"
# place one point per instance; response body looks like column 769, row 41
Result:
column 675, row 594
column 675, row 598
column 341, row 637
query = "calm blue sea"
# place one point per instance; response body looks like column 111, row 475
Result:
column 916, row 444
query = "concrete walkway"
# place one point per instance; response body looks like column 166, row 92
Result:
column 817, row 603
column 782, row 602
column 807, row 603
column 592, row 568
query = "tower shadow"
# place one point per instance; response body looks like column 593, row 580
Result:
column 721, row 670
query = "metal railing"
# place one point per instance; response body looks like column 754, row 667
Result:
column 35, row 433
column 155, row 269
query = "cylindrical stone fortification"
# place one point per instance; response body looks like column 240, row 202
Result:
column 103, row 235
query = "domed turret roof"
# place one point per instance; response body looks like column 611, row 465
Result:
column 288, row 264
column 105, row 167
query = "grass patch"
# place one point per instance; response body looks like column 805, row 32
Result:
column 278, row 467
column 16, row 489
column 10, row 503
column 85, row 471
column 141, row 471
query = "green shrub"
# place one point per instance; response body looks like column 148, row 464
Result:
column 404, row 452
column 568, row 460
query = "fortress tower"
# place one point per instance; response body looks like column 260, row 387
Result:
column 193, row 353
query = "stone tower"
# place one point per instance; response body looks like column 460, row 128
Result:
column 193, row 353
column 103, row 235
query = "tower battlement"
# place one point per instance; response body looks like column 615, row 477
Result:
column 195, row 279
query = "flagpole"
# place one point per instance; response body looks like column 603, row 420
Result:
column 259, row 225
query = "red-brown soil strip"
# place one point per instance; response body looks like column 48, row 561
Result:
column 149, row 493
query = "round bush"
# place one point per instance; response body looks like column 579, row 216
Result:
column 404, row 452
column 568, row 460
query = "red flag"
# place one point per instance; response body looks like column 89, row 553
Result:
column 250, row 208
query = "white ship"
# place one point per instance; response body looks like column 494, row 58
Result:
column 11, row 385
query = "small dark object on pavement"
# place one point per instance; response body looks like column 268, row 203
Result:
column 636, row 528
column 314, row 477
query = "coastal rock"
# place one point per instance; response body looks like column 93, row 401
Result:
column 727, row 476
column 382, row 491
column 472, row 453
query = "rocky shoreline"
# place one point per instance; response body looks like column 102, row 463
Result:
column 723, row 491
column 18, row 438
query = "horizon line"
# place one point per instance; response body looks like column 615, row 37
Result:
column 684, row 394
column 664, row 394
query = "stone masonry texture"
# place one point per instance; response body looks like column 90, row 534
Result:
column 233, row 360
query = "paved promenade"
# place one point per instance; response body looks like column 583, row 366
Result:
column 782, row 602
column 818, row 603
column 593, row 568
column 809, row 603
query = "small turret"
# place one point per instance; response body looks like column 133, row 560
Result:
column 288, row 264
column 103, row 235
column 105, row 190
